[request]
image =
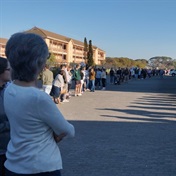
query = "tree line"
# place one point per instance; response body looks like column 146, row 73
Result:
column 157, row 62
column 124, row 62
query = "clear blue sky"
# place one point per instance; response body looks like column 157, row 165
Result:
column 137, row 29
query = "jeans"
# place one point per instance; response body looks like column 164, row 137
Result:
column 53, row 173
column 92, row 85
column 104, row 82
column 87, row 84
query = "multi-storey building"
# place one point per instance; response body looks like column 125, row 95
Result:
column 66, row 49
column 3, row 42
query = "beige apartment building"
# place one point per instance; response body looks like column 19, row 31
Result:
column 65, row 49
column 3, row 42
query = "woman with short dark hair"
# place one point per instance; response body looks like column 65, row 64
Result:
column 36, row 123
column 4, row 124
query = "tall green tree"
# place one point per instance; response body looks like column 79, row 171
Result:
column 85, row 49
column 51, row 60
column 163, row 62
column 90, row 61
column 125, row 62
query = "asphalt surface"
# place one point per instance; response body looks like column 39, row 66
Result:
column 126, row 130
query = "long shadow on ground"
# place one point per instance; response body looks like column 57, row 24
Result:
column 165, row 85
column 144, row 145
column 120, row 149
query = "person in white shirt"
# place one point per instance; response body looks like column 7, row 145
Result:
column 82, row 72
column 36, row 123
column 103, row 78
column 70, row 75
column 58, row 88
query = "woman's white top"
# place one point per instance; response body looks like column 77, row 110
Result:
column 33, row 118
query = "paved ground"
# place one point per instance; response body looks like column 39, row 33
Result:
column 127, row 130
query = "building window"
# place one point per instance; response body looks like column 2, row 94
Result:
column 64, row 57
column 64, row 47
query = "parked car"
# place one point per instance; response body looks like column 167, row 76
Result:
column 172, row 72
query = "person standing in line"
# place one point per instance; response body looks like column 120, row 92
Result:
column 98, row 78
column 119, row 76
column 126, row 74
column 65, row 94
column 47, row 78
column 36, row 124
column 5, row 77
column 112, row 73
column 87, row 70
column 103, row 77
column 84, row 79
column 58, row 88
column 161, row 73
column 70, row 75
column 136, row 72
column 77, row 78
column 82, row 73
column 132, row 73
column 92, row 79
column 144, row 73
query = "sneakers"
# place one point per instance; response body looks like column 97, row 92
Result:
column 78, row 95
column 65, row 101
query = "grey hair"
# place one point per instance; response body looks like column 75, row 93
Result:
column 27, row 54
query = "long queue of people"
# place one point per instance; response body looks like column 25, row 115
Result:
column 80, row 78
column 117, row 76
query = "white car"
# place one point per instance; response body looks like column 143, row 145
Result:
column 172, row 73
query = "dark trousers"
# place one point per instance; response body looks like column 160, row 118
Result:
column 54, row 173
column 2, row 168
column 92, row 85
column 69, row 86
column 103, row 82
column 98, row 82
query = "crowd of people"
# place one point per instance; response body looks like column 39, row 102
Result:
column 117, row 76
column 81, row 79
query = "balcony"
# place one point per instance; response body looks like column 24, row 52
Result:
column 101, row 58
column 77, row 53
column 58, row 50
